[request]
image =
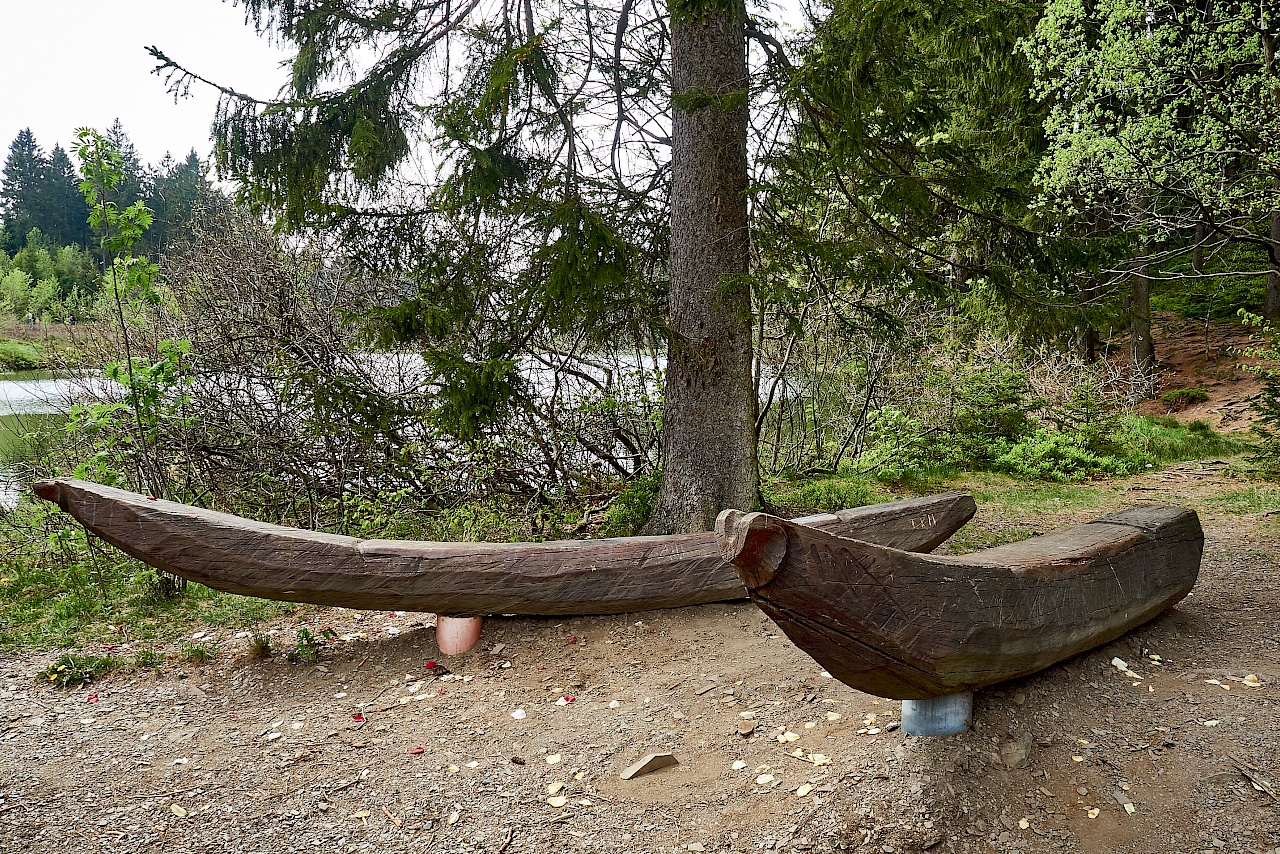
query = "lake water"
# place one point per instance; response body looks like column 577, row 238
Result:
column 29, row 402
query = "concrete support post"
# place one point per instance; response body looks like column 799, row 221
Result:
column 949, row 715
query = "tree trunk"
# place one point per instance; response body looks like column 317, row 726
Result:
column 1197, row 251
column 1271, row 300
column 1087, row 339
column 1087, row 344
column 1142, row 353
column 709, row 415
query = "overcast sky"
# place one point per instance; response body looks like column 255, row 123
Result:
column 66, row 64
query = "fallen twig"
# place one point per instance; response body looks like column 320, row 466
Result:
column 1259, row 783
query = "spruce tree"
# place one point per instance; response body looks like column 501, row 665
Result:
column 24, row 190
column 174, row 188
column 132, row 186
column 68, row 223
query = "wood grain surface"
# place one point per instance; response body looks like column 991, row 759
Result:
column 912, row 626
column 564, row 577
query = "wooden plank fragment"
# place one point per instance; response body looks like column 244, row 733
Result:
column 606, row 576
column 648, row 763
column 913, row 626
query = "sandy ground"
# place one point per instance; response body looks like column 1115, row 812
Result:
column 372, row 749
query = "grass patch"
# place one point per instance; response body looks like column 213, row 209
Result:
column 20, row 356
column 1165, row 440
column 260, row 645
column 197, row 653
column 1183, row 397
column 972, row 538
column 1002, row 497
column 148, row 658
column 39, row 612
column 75, row 669
column 1262, row 498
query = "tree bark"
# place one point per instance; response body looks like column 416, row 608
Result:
column 1087, row 344
column 1087, row 339
column 709, row 416
column 1197, row 252
column 1271, row 299
column 1142, row 353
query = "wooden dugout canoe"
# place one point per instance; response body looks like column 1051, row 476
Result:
column 915, row 627
column 565, row 577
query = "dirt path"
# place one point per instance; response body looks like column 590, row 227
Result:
column 249, row 756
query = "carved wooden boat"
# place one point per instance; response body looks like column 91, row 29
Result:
column 604, row 576
column 915, row 627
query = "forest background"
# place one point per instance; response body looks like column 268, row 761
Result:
column 442, row 302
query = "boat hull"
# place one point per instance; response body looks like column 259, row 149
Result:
column 566, row 577
column 914, row 627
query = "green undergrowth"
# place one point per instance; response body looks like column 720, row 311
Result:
column 1135, row 444
column 1045, row 464
column 1166, row 440
column 59, row 589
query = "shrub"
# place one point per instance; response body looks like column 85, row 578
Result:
column 990, row 415
column 898, row 445
column 1094, row 418
column 307, row 649
column 631, row 508
column 835, row 494
column 1183, row 397
column 1063, row 455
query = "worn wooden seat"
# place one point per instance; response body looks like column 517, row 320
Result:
column 913, row 626
column 564, row 577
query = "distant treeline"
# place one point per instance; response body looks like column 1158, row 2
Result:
column 50, row 263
